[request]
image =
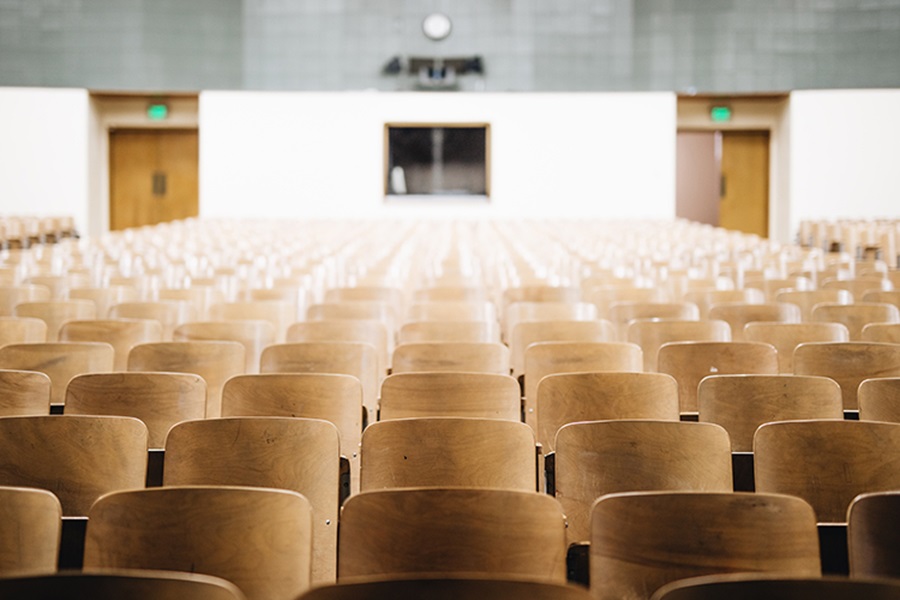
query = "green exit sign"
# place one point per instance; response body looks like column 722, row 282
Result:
column 720, row 114
column 157, row 111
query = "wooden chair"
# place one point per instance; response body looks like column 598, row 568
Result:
column 252, row 335
column 750, row 586
column 357, row 310
column 565, row 398
column 158, row 399
column 541, row 293
column 131, row 584
column 787, row 336
column 56, row 312
column 440, row 588
column 848, row 363
column 105, row 297
column 772, row 287
column 741, row 403
column 24, row 393
column 200, row 297
column 882, row 297
column 121, row 334
column 872, row 540
column 367, row 293
column 452, row 531
column 650, row 335
column 451, row 356
column 705, row 299
column 215, row 362
column 737, row 315
column 452, row 311
column 623, row 313
column 881, row 332
column 548, row 358
column 371, row 332
column 13, row 295
column 449, row 331
column 345, row 358
column 827, row 463
column 169, row 313
column 603, row 297
column 448, row 394
column 77, row 458
column 58, row 285
column 857, row 286
column 595, row 458
column 302, row 455
column 689, row 362
column 451, row 293
column 448, row 452
column 22, row 330
column 526, row 312
column 279, row 313
column 60, row 361
column 257, row 538
column 532, row 332
column 807, row 299
column 856, row 316
column 879, row 399
column 30, row 526
column 643, row 540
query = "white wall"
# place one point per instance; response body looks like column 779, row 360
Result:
column 321, row 154
column 845, row 154
column 44, row 153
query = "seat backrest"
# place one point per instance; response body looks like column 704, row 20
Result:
column 603, row 297
column 121, row 334
column 532, row 332
column 60, row 361
column 451, row 293
column 253, row 335
column 704, row 299
column 622, row 313
column 448, row 452
column 200, row 297
column 739, row 314
column 455, row 588
column 452, row 311
column 355, row 310
column 257, row 538
column 11, row 295
column 56, row 312
column 848, row 363
column 858, row 286
column 131, row 584
column 371, row 332
column 807, row 299
column 279, row 313
column 30, row 532
column 24, row 393
column 881, row 332
column 470, row 357
column 524, row 312
column 651, row 334
column 750, row 586
column 565, row 398
column 169, row 313
column 78, row 458
column 856, row 316
column 595, row 458
column 105, row 297
column 159, row 399
column 879, row 399
column 872, row 540
column 741, row 403
column 215, row 362
column 22, row 330
column 491, row 533
column 450, row 394
column 449, row 331
column 886, row 297
column 827, row 462
column 787, row 336
column 302, row 455
column 643, row 540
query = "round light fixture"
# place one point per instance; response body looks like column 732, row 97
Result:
column 437, row 26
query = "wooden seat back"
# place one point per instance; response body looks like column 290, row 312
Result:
column 121, row 334
column 848, row 363
column 450, row 394
column 30, row 534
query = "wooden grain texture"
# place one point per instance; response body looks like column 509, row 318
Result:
column 105, row 297
column 169, row 313
column 848, row 363
column 525, row 312
column 29, row 536
column 689, row 362
column 371, row 332
column 344, row 358
column 872, row 539
column 411, row 532
column 448, row 452
column 121, row 334
column 456, row 588
column 24, row 393
column 253, row 335
column 883, row 297
column 22, row 330
column 257, row 538
column 56, row 312
column 650, row 335
column 77, row 458
column 858, row 286
column 807, row 299
column 215, row 362
column 302, row 455
column 279, row 313
column 12, row 295
column 737, row 315
column 60, row 361
column 200, row 297
column 856, row 316
column 604, row 457
column 159, row 399
column 532, row 332
column 548, row 358
column 449, row 331
column 751, row 586
column 641, row 541
column 827, row 463
column 741, row 403
column 705, row 299
column 881, row 332
column 622, row 313
column 449, row 394
column 451, row 356
column 452, row 311
column 604, row 296
column 879, row 399
column 123, row 583
column 787, row 336
column 369, row 311
column 571, row 397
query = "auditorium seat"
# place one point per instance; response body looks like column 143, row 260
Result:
column 169, row 313
column 750, row 586
column 22, row 330
column 30, row 524
column 12, row 295
column 705, row 299
column 450, row 394
column 253, row 335
column 531, row 332
column 60, row 361
column 623, row 313
column 371, row 332
column 881, row 332
column 24, row 393
column 872, row 539
column 120, row 583
column 651, row 334
column 883, row 297
column 356, row 310
column 879, row 399
column 121, row 334
column 279, row 314
column 446, row 310
column 199, row 297
column 436, row 587
column 524, row 312
column 472, row 357
column 449, row 331
column 787, row 336
column 856, row 316
column 104, row 297
column 737, row 315
column 848, row 363
column 807, row 299
column 55, row 313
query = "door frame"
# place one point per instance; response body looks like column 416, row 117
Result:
column 764, row 112
column 126, row 111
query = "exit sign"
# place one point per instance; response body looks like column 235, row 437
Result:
column 720, row 114
column 157, row 111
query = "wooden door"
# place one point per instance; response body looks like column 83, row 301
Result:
column 744, row 194
column 153, row 176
